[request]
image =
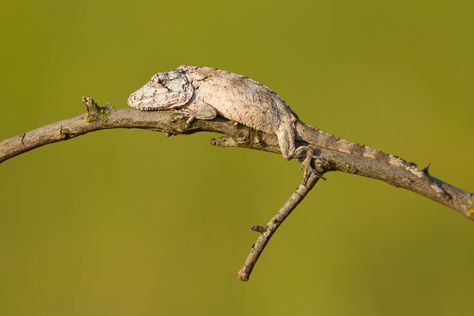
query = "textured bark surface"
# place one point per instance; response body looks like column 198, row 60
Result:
column 267, row 231
column 204, row 93
column 329, row 154
column 395, row 173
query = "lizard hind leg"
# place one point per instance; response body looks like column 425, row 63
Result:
column 286, row 140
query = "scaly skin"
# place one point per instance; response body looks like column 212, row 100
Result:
column 203, row 92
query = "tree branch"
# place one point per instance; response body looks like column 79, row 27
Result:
column 267, row 231
column 98, row 118
column 237, row 135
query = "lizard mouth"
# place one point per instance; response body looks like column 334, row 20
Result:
column 145, row 98
column 163, row 92
column 151, row 99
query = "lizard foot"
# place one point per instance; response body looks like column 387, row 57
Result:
column 183, row 115
column 305, row 155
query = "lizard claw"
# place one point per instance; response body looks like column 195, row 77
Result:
column 181, row 115
column 307, row 164
column 189, row 121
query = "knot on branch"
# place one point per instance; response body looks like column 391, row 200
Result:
column 64, row 133
column 225, row 141
column 470, row 206
column 244, row 137
column 258, row 228
column 95, row 111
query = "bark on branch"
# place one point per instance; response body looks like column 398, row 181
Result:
column 267, row 231
column 237, row 135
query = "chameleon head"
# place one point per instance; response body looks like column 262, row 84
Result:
column 165, row 90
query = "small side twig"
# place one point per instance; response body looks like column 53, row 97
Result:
column 92, row 107
column 237, row 135
column 267, row 231
column 94, row 111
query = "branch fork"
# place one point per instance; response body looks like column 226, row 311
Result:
column 322, row 159
column 266, row 232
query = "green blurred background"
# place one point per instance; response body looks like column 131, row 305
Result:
column 129, row 222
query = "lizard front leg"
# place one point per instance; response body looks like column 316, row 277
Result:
column 197, row 110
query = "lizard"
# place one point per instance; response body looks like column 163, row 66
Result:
column 205, row 93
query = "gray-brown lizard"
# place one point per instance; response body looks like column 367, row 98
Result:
column 204, row 93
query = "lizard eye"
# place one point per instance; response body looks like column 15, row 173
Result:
column 157, row 80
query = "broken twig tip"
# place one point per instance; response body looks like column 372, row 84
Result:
column 93, row 109
column 90, row 104
column 426, row 170
column 242, row 276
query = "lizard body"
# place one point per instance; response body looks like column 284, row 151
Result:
column 204, row 93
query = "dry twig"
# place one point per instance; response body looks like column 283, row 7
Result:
column 268, row 230
column 98, row 118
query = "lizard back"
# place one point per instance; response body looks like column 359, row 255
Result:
column 240, row 99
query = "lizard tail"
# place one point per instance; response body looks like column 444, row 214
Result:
column 319, row 138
